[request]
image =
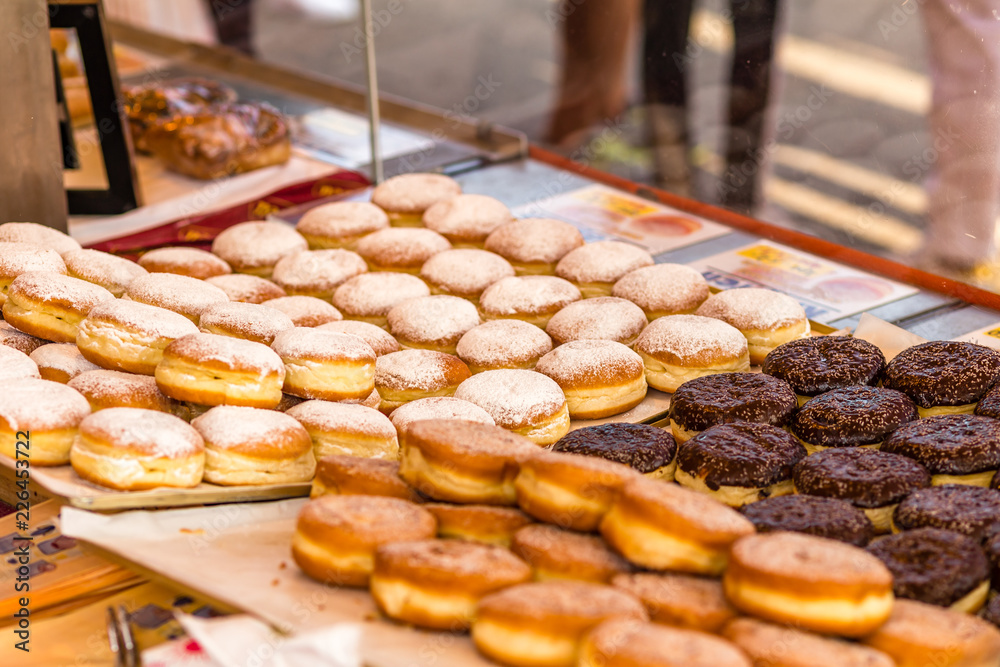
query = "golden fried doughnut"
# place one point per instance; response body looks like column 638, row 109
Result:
column 249, row 321
column 359, row 476
column 767, row 318
column 115, row 389
column 317, row 273
column 181, row 294
column 600, row 318
column 184, row 261
column 343, row 428
column 466, row 220
column 534, row 245
column 42, row 416
column 554, row 553
column 253, row 446
column 441, row 408
column 478, row 523
column 381, row 341
column 663, row 289
column 325, row 365
column 401, row 249
column 246, row 288
column 680, row 600
column 340, row 224
column 600, row 378
column 111, row 272
column 130, row 449
column 463, row 462
column 255, row 247
column 437, row 584
column 50, row 305
column 432, row 322
column 408, row 375
column 18, row 258
column 32, row 232
column 370, row 296
column 464, row 272
column 406, row 197
column 61, row 362
column 130, row 336
column 678, row 348
column 305, row 311
column 629, row 643
column 525, row 402
column 19, row 340
column 503, row 344
column 218, row 370
column 596, row 267
column 336, row 536
column 534, row 299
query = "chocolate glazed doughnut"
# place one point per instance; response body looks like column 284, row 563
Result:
column 936, row 566
column 647, row 449
column 818, row 364
column 956, row 449
column 943, row 376
column 729, row 397
column 970, row 510
column 739, row 463
column 871, row 480
column 857, row 416
column 814, row 515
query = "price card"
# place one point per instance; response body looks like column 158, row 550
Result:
column 989, row 336
column 603, row 212
column 828, row 291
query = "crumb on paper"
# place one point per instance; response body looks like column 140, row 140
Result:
column 275, row 582
column 192, row 531
column 370, row 617
column 283, row 565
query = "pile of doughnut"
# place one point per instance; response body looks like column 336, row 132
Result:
column 419, row 359
column 424, row 292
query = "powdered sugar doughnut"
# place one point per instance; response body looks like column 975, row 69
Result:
column 317, row 272
column 255, row 247
column 432, row 322
column 130, row 449
column 181, row 294
column 678, row 348
column 466, row 220
column 534, row 245
column 249, row 321
column 32, row 232
column 340, row 224
column 373, row 400
column 326, row 365
column 663, row 289
column 61, row 362
column 379, row 339
column 503, row 344
column 111, row 272
column 16, row 365
column 218, row 370
column 767, row 318
column 244, row 288
column 465, row 272
column 19, row 340
column 305, row 311
column 407, row 375
column 183, row 261
column 345, row 429
column 18, row 258
column 600, row 378
column 438, row 408
column 51, row 305
column 525, row 402
column 404, row 250
column 370, row 296
column 595, row 267
column 252, row 446
column 534, row 299
column 46, row 414
column 405, row 197
column 114, row 389
column 130, row 336
column 600, row 318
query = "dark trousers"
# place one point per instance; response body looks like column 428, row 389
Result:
column 667, row 55
column 232, row 23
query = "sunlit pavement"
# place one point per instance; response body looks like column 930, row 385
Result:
column 850, row 149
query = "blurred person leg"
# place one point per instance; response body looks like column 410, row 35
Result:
column 233, row 21
column 964, row 185
column 666, row 54
column 753, row 48
column 595, row 39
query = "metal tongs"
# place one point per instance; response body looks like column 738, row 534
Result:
column 121, row 639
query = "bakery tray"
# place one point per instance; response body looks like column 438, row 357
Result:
column 259, row 577
column 62, row 483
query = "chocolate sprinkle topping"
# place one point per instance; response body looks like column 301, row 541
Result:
column 949, row 444
column 970, row 510
column 932, row 565
column 865, row 477
column 640, row 446
column 813, row 515
column 746, row 455
column 943, row 372
column 991, row 612
column 852, row 416
column 991, row 544
column 818, row 364
column 725, row 398
column 989, row 404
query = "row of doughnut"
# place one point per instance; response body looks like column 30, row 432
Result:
column 557, row 558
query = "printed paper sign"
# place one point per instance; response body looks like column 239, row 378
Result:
column 616, row 214
column 990, row 336
column 827, row 290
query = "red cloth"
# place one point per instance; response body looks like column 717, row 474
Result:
column 198, row 231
